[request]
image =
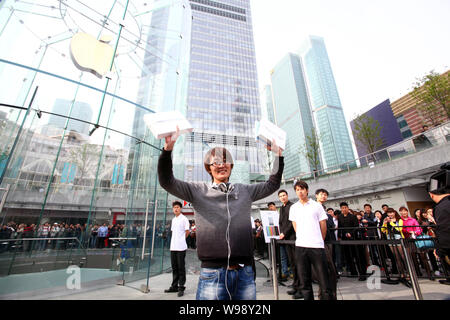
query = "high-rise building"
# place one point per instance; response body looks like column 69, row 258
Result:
column 223, row 92
column 336, row 147
column 292, row 113
column 79, row 110
column 268, row 103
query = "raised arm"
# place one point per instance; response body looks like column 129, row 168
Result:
column 167, row 180
column 265, row 189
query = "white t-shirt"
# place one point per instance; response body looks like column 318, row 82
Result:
column 179, row 226
column 307, row 218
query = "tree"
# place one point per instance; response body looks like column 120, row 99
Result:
column 311, row 150
column 432, row 95
column 367, row 132
column 86, row 158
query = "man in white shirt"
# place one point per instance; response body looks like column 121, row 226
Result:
column 180, row 231
column 310, row 224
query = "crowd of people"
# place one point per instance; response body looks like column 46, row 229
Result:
column 98, row 236
column 344, row 224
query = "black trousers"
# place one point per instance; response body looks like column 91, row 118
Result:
column 308, row 258
column 290, row 249
column 355, row 254
column 178, row 269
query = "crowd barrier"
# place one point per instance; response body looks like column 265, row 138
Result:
column 394, row 255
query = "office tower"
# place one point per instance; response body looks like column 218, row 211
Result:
column 223, row 94
column 390, row 132
column 292, row 113
column 80, row 110
column 336, row 147
column 268, row 103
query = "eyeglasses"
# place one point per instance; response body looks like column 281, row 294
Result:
column 219, row 163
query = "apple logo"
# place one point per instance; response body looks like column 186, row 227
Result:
column 90, row 54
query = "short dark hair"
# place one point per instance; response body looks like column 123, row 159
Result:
column 268, row 205
column 220, row 152
column 368, row 205
column 177, row 203
column 322, row 190
column 384, row 205
column 330, row 209
column 342, row 204
column 301, row 184
column 281, row 191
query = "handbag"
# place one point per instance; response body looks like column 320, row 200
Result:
column 424, row 242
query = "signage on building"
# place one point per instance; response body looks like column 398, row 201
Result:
column 90, row 54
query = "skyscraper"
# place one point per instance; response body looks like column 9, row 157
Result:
column 223, row 95
column 268, row 103
column 80, row 110
column 336, row 147
column 292, row 113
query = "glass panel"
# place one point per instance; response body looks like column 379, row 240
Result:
column 82, row 157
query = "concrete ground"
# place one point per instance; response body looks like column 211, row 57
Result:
column 348, row 289
column 97, row 287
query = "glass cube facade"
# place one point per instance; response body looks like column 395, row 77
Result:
column 74, row 150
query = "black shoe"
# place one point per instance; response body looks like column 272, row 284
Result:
column 446, row 281
column 291, row 292
column 297, row 295
column 180, row 293
column 406, row 282
column 362, row 278
column 171, row 289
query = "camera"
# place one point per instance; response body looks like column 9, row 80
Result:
column 440, row 181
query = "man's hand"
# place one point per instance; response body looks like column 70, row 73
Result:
column 170, row 140
column 275, row 148
column 282, row 236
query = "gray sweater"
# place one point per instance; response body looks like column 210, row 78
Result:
column 211, row 216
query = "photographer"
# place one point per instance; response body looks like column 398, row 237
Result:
column 439, row 191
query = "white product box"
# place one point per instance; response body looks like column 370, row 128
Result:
column 266, row 131
column 164, row 124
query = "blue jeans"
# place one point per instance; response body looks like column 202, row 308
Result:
column 284, row 260
column 240, row 284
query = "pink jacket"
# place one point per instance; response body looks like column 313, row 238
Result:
column 409, row 225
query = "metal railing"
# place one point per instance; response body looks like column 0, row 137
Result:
column 407, row 261
column 37, row 246
column 436, row 136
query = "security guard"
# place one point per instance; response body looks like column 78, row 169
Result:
column 439, row 191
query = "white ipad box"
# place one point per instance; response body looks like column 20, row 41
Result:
column 164, row 124
column 266, row 131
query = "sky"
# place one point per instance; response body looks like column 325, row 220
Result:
column 377, row 49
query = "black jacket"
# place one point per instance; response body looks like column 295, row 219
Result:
column 442, row 217
column 350, row 221
column 330, row 236
column 286, row 226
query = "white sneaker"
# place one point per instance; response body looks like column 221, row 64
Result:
column 437, row 273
